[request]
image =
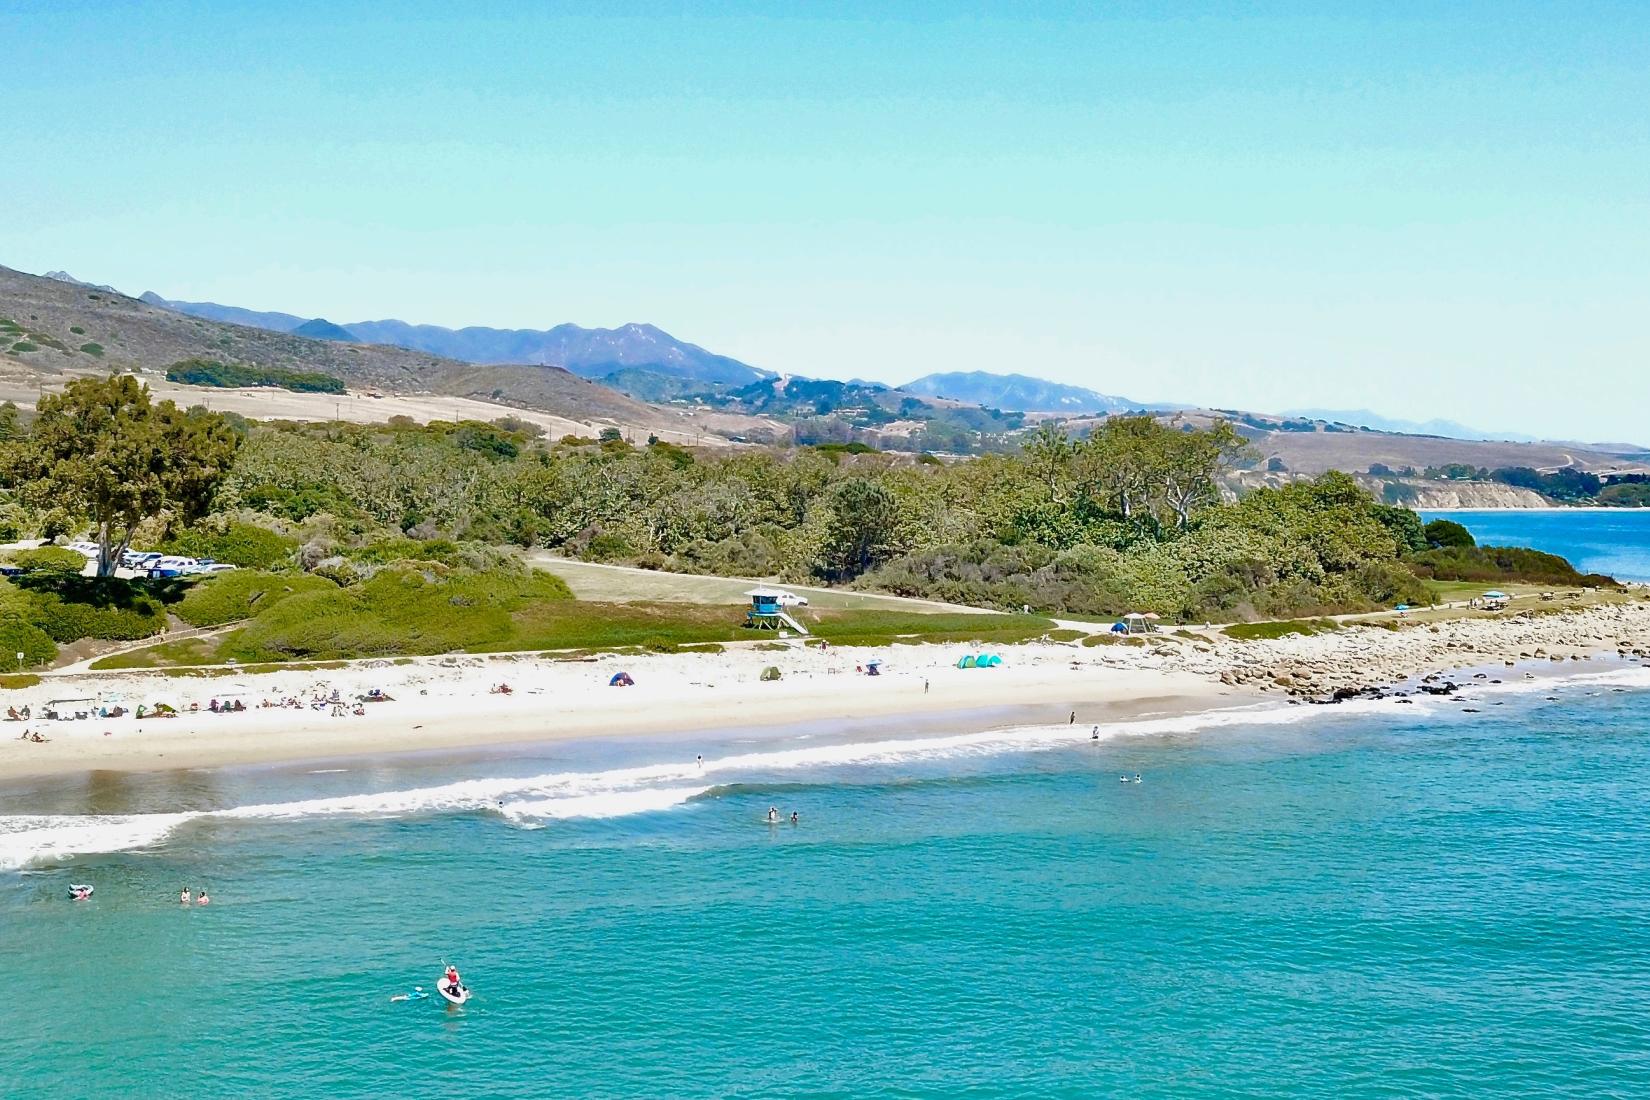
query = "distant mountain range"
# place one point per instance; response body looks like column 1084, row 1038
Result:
column 638, row 358
column 1016, row 393
column 1449, row 429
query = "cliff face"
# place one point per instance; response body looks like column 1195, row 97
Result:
column 1450, row 495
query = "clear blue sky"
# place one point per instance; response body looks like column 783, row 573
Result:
column 1426, row 209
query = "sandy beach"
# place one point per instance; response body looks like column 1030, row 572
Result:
column 452, row 702
column 442, row 703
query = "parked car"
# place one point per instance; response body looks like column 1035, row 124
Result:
column 86, row 549
column 140, row 559
column 215, row 567
column 791, row 599
column 172, row 566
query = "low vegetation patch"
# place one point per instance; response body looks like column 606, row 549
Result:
column 1283, row 629
column 18, row 680
column 209, row 372
column 49, row 559
column 188, row 651
column 1505, row 564
column 401, row 609
column 231, row 597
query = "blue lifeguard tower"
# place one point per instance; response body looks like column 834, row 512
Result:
column 767, row 613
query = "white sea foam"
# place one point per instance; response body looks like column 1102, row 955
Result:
column 651, row 788
column 605, row 804
column 26, row 839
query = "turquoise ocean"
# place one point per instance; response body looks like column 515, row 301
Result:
column 1440, row 897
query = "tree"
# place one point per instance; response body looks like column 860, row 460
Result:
column 859, row 528
column 1448, row 533
column 11, row 423
column 103, row 448
column 1189, row 463
column 1405, row 527
column 1050, row 451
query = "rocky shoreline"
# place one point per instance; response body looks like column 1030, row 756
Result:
column 1375, row 661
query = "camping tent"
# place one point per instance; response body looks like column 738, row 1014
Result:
column 621, row 680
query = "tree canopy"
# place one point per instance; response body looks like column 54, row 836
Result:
column 104, row 449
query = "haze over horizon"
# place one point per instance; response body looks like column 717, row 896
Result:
column 1429, row 215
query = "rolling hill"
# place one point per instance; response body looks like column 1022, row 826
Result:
column 1017, row 393
column 639, row 358
column 51, row 329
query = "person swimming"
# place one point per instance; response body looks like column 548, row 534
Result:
column 795, row 819
column 183, row 897
column 773, row 815
column 203, row 899
column 417, row 994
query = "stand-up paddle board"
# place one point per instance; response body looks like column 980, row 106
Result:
column 453, row 994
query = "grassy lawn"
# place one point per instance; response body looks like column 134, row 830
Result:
column 581, row 625
column 189, row 651
column 617, row 585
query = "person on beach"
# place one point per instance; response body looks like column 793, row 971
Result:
column 700, row 760
column 1072, row 721
column 1095, row 736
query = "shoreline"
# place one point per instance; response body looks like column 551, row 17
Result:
column 439, row 706
column 447, row 704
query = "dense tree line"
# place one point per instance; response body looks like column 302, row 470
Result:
column 1130, row 517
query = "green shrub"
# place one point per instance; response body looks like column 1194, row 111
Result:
column 230, row 597
column 24, row 345
column 77, row 330
column 92, row 348
column 243, row 544
column 17, row 681
column 49, row 559
column 19, row 634
column 83, row 607
column 402, row 609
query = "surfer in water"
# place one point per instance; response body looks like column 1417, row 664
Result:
column 417, row 994
column 773, row 815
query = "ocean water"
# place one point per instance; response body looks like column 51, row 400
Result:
column 1372, row 900
column 1613, row 541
